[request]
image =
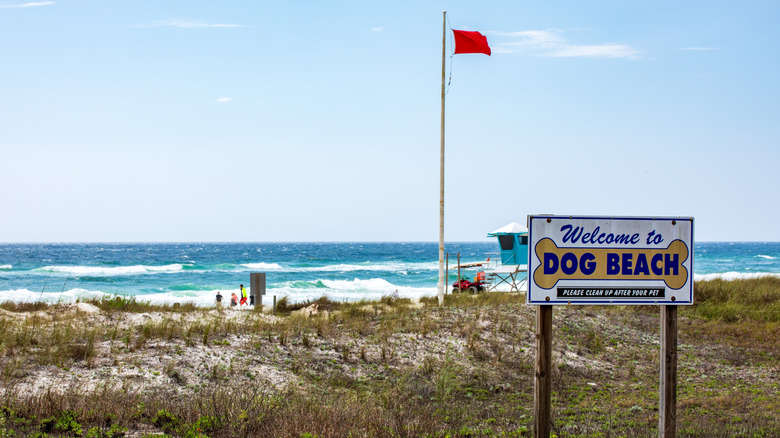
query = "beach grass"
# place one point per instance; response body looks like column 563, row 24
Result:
column 386, row 368
column 733, row 301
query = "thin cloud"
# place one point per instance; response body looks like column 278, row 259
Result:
column 28, row 5
column 532, row 39
column 224, row 99
column 193, row 24
column 377, row 29
column 597, row 51
column 552, row 43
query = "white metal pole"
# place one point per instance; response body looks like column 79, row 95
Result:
column 441, row 163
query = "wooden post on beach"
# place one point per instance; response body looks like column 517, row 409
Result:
column 667, row 410
column 257, row 285
column 458, row 266
column 543, row 371
column 446, row 272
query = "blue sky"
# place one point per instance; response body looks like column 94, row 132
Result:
column 319, row 120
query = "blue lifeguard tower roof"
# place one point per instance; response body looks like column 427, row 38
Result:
column 513, row 240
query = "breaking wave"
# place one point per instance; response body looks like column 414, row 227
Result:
column 99, row 271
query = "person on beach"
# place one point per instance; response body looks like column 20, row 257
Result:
column 243, row 295
column 233, row 300
column 219, row 299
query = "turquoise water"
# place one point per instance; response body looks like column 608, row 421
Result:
column 194, row 272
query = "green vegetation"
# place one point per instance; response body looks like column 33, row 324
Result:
column 390, row 368
column 735, row 301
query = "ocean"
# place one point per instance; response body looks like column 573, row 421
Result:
column 193, row 272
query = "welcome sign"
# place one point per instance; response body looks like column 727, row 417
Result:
column 610, row 260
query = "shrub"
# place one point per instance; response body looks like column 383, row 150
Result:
column 165, row 421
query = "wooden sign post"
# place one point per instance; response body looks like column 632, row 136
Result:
column 543, row 371
column 667, row 411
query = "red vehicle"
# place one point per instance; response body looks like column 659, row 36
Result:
column 476, row 286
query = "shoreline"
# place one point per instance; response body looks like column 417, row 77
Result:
column 207, row 299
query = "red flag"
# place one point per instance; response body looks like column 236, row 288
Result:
column 470, row 42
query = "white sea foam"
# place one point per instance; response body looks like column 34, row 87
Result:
column 6, row 267
column 101, row 271
column 346, row 290
column 765, row 257
column 295, row 291
column 731, row 276
column 68, row 296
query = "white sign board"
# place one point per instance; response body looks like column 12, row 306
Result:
column 610, row 260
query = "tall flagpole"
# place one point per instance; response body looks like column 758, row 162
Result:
column 441, row 163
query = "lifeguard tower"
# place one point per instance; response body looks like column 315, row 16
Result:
column 513, row 267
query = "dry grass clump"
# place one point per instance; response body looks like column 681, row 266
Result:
column 132, row 305
column 283, row 305
column 23, row 307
